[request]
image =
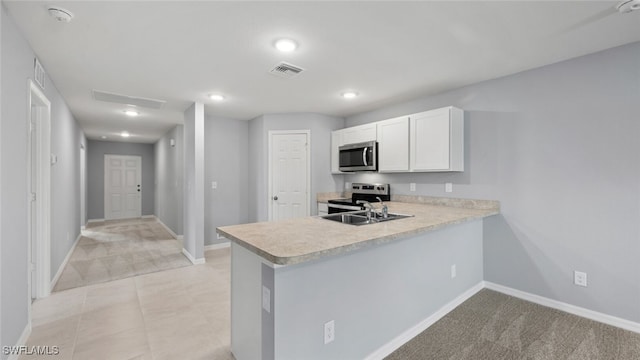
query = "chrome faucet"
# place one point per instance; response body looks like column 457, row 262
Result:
column 385, row 208
column 366, row 203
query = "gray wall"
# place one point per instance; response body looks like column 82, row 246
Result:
column 226, row 162
column 169, row 166
column 66, row 137
column 321, row 178
column 558, row 146
column 95, row 174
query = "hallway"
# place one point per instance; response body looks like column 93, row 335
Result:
column 118, row 249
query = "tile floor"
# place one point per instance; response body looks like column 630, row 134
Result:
column 182, row 313
column 118, row 249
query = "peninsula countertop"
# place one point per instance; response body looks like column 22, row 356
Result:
column 293, row 241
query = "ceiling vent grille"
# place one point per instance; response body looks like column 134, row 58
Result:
column 127, row 100
column 286, row 70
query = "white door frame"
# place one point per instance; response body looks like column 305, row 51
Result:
column 43, row 193
column 270, row 166
column 83, row 186
column 106, row 183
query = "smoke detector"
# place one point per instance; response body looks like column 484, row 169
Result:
column 628, row 6
column 60, row 14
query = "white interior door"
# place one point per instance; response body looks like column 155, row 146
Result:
column 39, row 193
column 289, row 171
column 122, row 186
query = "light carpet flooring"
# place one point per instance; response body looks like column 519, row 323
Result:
column 176, row 314
column 494, row 326
column 118, row 249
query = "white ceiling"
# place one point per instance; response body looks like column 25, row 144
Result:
column 387, row 51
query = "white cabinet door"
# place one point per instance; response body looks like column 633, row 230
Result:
column 437, row 140
column 358, row 134
column 393, row 145
column 336, row 142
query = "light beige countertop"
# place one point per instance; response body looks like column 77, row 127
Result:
column 298, row 240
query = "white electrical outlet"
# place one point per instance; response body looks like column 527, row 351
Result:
column 329, row 331
column 448, row 187
column 214, row 184
column 266, row 299
column 580, row 278
column 453, row 271
column 412, row 187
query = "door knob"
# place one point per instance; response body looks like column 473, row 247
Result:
column 275, row 197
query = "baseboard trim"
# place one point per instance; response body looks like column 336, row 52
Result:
column 55, row 279
column 94, row 221
column 148, row 217
column 219, row 246
column 193, row 260
column 412, row 332
column 22, row 341
column 180, row 237
column 562, row 306
column 165, row 227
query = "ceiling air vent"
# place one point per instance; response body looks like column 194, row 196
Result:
column 127, row 100
column 286, row 70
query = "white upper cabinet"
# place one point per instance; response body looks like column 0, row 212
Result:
column 437, row 140
column 393, row 145
column 358, row 134
column 430, row 141
column 336, row 142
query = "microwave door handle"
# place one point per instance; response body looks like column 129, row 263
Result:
column 364, row 156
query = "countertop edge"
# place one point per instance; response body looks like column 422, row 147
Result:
column 292, row 260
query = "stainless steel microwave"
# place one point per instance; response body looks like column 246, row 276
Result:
column 359, row 157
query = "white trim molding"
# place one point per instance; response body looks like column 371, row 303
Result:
column 55, row 279
column 90, row 221
column 219, row 246
column 22, row 341
column 193, row 260
column 412, row 332
column 562, row 306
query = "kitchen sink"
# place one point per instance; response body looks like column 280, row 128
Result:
column 360, row 217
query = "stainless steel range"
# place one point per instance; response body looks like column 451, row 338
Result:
column 360, row 191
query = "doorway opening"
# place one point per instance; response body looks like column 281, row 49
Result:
column 39, row 173
column 289, row 174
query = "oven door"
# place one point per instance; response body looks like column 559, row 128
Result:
column 338, row 208
column 359, row 157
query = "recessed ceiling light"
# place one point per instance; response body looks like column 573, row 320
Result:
column 103, row 137
column 125, row 134
column 216, row 97
column 131, row 113
column 349, row 94
column 286, row 45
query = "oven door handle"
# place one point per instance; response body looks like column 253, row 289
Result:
column 364, row 156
